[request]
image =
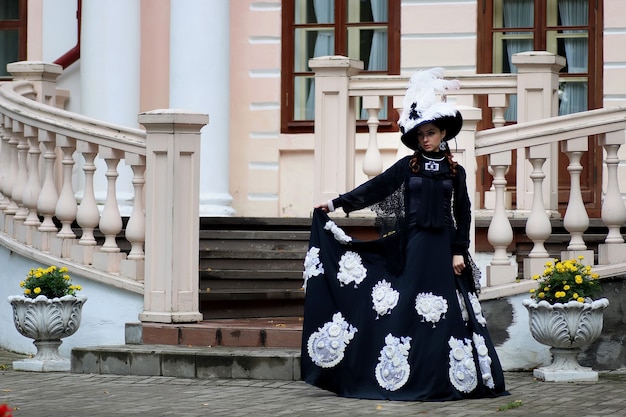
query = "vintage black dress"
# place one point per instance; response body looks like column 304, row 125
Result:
column 388, row 319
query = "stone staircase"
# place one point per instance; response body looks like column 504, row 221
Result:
column 252, row 303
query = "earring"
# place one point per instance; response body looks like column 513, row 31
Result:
column 443, row 145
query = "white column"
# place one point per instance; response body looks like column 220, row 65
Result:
column 109, row 65
column 199, row 81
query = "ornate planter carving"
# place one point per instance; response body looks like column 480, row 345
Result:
column 47, row 321
column 565, row 328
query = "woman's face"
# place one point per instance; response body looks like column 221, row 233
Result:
column 429, row 137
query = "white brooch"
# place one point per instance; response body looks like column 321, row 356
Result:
column 312, row 265
column 326, row 346
column 337, row 232
column 484, row 361
column 384, row 298
column 351, row 269
column 431, row 307
column 462, row 370
column 393, row 370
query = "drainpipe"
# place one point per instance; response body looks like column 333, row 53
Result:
column 73, row 54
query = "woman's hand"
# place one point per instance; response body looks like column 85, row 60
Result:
column 323, row 206
column 458, row 264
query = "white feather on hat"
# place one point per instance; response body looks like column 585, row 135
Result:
column 424, row 102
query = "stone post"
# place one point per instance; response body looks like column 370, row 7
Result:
column 335, row 126
column 172, row 215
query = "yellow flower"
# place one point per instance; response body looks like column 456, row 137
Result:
column 575, row 295
column 532, row 290
column 66, row 277
column 566, row 287
column 559, row 294
column 580, row 300
column 63, row 270
column 541, row 295
column 595, row 276
column 535, row 277
column 38, row 274
column 22, row 284
column 578, row 279
column 581, row 257
column 27, row 291
column 37, row 290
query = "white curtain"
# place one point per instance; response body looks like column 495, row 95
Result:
column 324, row 45
column 574, row 94
column 517, row 13
column 378, row 52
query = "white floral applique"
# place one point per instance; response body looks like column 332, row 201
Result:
column 392, row 370
column 327, row 345
column 384, row 298
column 475, row 307
column 478, row 310
column 312, row 265
column 484, row 360
column 338, row 233
column 462, row 372
column 351, row 269
column 464, row 313
column 431, row 307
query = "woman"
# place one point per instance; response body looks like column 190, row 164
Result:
column 398, row 318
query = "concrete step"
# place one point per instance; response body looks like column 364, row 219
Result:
column 188, row 362
column 269, row 332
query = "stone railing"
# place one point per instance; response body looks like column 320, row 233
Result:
column 535, row 139
column 42, row 213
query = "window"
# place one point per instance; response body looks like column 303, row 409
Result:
column 12, row 33
column 367, row 30
column 564, row 27
column 569, row 28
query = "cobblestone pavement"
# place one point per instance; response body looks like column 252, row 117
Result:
column 54, row 394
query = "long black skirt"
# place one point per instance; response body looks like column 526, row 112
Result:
column 418, row 335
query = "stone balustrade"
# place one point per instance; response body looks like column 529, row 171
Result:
column 48, row 215
column 534, row 140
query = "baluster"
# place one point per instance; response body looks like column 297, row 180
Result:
column 372, row 162
column 613, row 211
column 46, row 205
column 576, row 220
column 500, row 232
column 398, row 104
column 136, row 226
column 33, row 185
column 9, row 180
column 88, row 215
column 538, row 227
column 17, row 193
column 498, row 104
column 66, row 206
column 5, row 154
column 111, row 220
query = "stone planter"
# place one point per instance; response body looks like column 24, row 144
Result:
column 565, row 328
column 46, row 321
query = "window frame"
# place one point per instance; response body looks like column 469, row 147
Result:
column 20, row 25
column 485, row 50
column 341, row 25
column 591, row 178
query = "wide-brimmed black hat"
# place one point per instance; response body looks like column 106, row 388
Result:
column 424, row 102
column 451, row 124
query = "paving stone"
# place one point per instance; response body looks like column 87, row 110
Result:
column 108, row 395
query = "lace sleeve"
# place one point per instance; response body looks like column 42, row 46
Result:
column 389, row 212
